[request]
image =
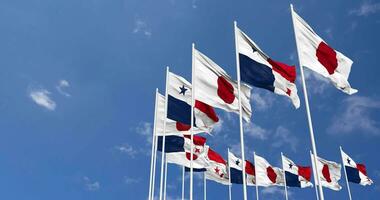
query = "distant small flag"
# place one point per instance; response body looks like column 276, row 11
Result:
column 259, row 70
column 216, row 88
column 329, row 173
column 317, row 55
column 178, row 150
column 236, row 170
column 179, row 106
column 266, row 174
column 356, row 173
column 295, row 175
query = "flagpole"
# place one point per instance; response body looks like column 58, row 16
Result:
column 314, row 148
column 345, row 174
column 229, row 175
column 286, row 189
column 257, row 187
column 314, row 175
column 163, row 137
column 204, row 186
column 183, row 182
column 166, row 177
column 240, row 113
column 192, row 121
column 154, row 166
column 151, row 185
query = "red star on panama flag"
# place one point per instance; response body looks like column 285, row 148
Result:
column 217, row 170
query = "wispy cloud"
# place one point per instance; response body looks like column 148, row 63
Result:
column 355, row 115
column 366, row 8
column 283, row 137
column 141, row 27
column 146, row 130
column 62, row 85
column 316, row 83
column 130, row 180
column 262, row 100
column 42, row 98
column 271, row 191
column 256, row 131
column 91, row 185
column 127, row 149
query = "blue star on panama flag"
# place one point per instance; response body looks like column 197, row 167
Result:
column 183, row 90
column 290, row 165
column 237, row 162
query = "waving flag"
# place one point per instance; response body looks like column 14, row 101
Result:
column 217, row 168
column 179, row 106
column 266, row 174
column 178, row 150
column 259, row 70
column 295, row 175
column 236, row 170
column 317, row 55
column 216, row 88
column 172, row 127
column 356, row 173
column 329, row 173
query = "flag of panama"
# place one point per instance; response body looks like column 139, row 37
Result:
column 236, row 170
column 259, row 70
column 217, row 167
column 179, row 106
column 178, row 150
column 356, row 173
column 315, row 54
column 295, row 175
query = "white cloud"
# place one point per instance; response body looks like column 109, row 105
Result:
column 141, row 27
column 355, row 115
column 146, row 130
column 366, row 8
column 41, row 97
column 194, row 4
column 256, row 131
column 129, row 180
column 316, row 84
column 218, row 127
column 91, row 185
column 127, row 149
column 62, row 84
column 270, row 191
column 283, row 137
column 262, row 100
column 329, row 33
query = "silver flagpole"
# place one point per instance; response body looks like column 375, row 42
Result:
column 314, row 148
column 283, row 169
column 166, row 177
column 314, row 175
column 229, row 175
column 257, row 187
column 183, row 182
column 163, row 137
column 154, row 166
column 204, row 186
column 240, row 112
column 151, row 185
column 345, row 173
column 192, row 121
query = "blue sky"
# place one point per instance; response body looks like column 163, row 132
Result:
column 78, row 77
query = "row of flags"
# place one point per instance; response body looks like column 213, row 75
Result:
column 259, row 172
column 188, row 109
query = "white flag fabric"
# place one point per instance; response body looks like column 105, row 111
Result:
column 356, row 173
column 329, row 173
column 266, row 174
column 317, row 55
column 172, row 127
column 216, row 88
column 236, row 170
column 295, row 175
